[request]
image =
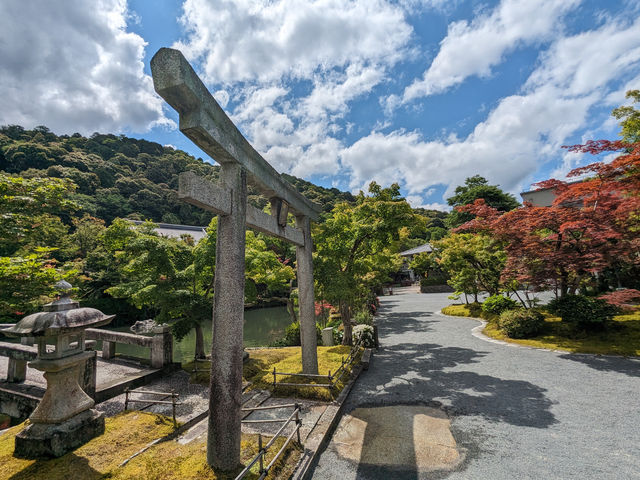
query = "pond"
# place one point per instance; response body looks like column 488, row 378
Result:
column 261, row 327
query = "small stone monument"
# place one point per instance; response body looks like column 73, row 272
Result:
column 64, row 419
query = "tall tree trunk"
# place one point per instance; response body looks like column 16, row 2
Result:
column 292, row 310
column 200, row 342
column 290, row 306
column 345, row 313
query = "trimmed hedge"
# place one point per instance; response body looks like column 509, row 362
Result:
column 586, row 313
column 496, row 304
column 521, row 323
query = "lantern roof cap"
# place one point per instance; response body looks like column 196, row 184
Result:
column 62, row 316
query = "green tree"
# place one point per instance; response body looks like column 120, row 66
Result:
column 159, row 273
column 473, row 262
column 31, row 211
column 352, row 254
column 26, row 282
column 175, row 278
column 630, row 118
column 32, row 234
column 474, row 188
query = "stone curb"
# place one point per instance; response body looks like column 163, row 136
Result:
column 477, row 332
column 319, row 437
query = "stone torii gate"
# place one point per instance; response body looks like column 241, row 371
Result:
column 206, row 124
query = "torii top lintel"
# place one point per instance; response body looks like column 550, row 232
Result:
column 206, row 124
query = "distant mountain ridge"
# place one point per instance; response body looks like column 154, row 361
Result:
column 119, row 176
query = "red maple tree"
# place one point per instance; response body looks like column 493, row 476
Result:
column 593, row 224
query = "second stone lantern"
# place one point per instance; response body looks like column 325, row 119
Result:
column 64, row 419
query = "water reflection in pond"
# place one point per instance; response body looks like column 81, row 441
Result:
column 261, row 327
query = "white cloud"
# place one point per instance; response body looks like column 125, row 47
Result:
column 244, row 40
column 416, row 201
column 338, row 51
column 473, row 48
column 522, row 132
column 72, row 66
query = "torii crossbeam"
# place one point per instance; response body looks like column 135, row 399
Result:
column 206, row 124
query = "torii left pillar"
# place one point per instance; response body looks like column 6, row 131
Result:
column 308, row 336
column 225, row 397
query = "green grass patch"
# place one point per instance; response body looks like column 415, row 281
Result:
column 473, row 310
column 622, row 336
column 125, row 435
column 259, row 371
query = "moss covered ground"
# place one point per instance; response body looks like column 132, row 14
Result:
column 622, row 337
column 258, row 370
column 125, row 435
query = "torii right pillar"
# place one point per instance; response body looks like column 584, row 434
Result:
column 308, row 336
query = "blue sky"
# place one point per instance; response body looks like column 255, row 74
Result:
column 420, row 92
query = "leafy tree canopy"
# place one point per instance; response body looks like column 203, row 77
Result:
column 475, row 188
column 630, row 118
column 352, row 247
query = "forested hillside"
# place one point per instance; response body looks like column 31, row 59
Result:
column 118, row 176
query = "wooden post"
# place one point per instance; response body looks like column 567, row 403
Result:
column 308, row 336
column 225, row 395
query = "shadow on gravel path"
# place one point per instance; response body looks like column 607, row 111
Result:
column 625, row 365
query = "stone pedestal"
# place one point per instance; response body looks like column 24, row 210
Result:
column 64, row 397
column 327, row 337
column 41, row 440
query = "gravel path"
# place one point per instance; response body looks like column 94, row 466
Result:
column 516, row 413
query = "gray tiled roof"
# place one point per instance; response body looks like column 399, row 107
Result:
column 414, row 251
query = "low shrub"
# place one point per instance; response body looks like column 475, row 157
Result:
column 496, row 304
column 292, row 336
column 521, row 323
column 334, row 322
column 432, row 280
column 364, row 333
column 363, row 318
column 585, row 313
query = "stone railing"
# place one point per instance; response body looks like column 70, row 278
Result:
column 20, row 354
column 160, row 344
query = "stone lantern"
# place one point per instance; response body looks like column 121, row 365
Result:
column 64, row 419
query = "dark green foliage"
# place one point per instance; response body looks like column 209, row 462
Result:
column 474, row 188
column 521, row 323
column 292, row 336
column 117, row 176
column 497, row 304
column 583, row 313
column 433, row 280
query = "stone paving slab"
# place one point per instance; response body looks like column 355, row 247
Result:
column 397, row 436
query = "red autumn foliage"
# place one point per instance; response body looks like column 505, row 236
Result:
column 321, row 307
column 593, row 224
column 622, row 298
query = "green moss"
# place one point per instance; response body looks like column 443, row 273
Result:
column 621, row 338
column 171, row 460
column 473, row 310
column 124, row 435
column 258, row 370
